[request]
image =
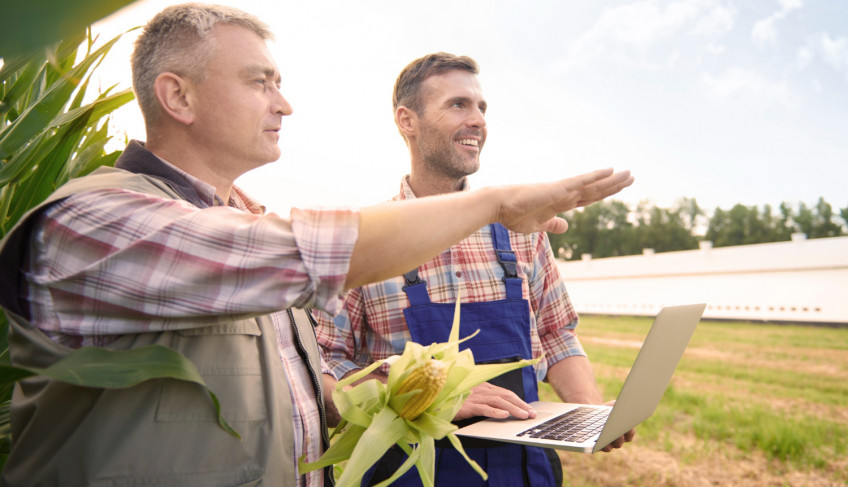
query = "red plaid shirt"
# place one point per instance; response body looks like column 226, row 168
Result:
column 372, row 327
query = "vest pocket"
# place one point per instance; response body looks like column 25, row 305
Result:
column 229, row 359
column 212, row 479
column 239, row 391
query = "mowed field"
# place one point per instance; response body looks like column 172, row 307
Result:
column 750, row 405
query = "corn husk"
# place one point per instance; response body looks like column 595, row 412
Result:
column 370, row 422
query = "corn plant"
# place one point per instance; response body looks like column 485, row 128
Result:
column 425, row 388
column 32, row 24
column 50, row 133
column 47, row 136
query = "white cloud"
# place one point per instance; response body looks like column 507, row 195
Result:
column 672, row 59
column 805, row 56
column 749, row 86
column 835, row 52
column 765, row 31
column 715, row 48
column 717, row 20
column 831, row 51
column 626, row 33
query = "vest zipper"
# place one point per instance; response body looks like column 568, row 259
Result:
column 325, row 438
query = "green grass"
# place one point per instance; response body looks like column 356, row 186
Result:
column 740, row 388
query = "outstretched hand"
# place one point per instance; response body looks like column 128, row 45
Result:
column 534, row 207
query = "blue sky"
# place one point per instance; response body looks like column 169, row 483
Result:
column 722, row 101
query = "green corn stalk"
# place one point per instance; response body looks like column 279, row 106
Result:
column 48, row 135
column 30, row 24
column 371, row 424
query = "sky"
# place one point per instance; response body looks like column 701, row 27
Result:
column 722, row 101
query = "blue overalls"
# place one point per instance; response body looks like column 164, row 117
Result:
column 504, row 337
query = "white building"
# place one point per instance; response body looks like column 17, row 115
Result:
column 798, row 281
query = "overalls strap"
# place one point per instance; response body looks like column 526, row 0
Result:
column 507, row 260
column 415, row 288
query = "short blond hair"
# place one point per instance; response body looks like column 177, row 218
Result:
column 177, row 40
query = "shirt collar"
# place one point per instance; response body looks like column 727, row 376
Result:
column 137, row 159
column 407, row 194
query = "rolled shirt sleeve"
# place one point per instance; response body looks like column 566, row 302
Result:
column 556, row 319
column 113, row 261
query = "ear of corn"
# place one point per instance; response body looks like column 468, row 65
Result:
column 426, row 387
column 428, row 379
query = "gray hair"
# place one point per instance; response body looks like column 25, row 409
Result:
column 177, row 40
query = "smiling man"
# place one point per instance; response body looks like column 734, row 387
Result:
column 509, row 282
column 165, row 249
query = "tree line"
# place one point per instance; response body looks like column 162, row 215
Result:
column 611, row 228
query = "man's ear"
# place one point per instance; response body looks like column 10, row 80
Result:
column 407, row 121
column 174, row 95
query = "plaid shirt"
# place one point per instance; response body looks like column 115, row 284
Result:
column 372, row 327
column 112, row 262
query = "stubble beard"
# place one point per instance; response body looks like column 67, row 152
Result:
column 441, row 156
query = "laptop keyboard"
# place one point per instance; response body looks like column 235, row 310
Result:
column 577, row 425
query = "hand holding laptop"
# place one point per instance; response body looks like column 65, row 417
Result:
column 573, row 379
column 621, row 440
column 592, row 428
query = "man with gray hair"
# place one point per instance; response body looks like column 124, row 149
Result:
column 164, row 249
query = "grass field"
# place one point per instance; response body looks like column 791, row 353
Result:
column 749, row 405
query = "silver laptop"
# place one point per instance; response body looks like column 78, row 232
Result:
column 589, row 428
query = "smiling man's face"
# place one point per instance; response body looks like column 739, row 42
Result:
column 452, row 125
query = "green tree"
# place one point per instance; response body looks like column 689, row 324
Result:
column 601, row 229
column 803, row 220
column 818, row 221
column 783, row 229
column 690, row 213
column 666, row 229
column 843, row 213
column 824, row 224
column 744, row 225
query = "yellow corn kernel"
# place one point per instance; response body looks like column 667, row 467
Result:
column 429, row 378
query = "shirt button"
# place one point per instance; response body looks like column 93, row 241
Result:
column 458, row 274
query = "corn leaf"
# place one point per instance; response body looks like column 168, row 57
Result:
column 338, row 452
column 412, row 458
column 385, row 430
column 355, row 377
column 23, row 83
column 39, row 115
column 427, row 460
column 32, row 24
column 46, row 137
column 101, row 368
column 485, row 372
column 350, row 409
column 458, row 446
column 12, row 66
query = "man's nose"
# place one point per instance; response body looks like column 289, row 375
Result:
column 281, row 105
column 477, row 119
